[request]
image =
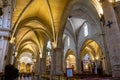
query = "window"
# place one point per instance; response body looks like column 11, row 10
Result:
column 48, row 47
column 85, row 29
column 68, row 41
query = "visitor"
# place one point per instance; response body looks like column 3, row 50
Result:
column 93, row 67
column 11, row 73
column 99, row 69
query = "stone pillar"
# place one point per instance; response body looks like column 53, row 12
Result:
column 78, row 64
column 37, row 66
column 5, row 20
column 42, row 65
column 57, row 61
column 106, row 59
column 10, row 55
column 117, row 10
column 112, row 35
column 3, row 51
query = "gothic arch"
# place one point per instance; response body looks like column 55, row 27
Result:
column 69, row 60
column 95, row 52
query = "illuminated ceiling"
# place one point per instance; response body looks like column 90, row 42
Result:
column 93, row 49
column 36, row 21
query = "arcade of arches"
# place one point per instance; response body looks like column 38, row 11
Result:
column 40, row 36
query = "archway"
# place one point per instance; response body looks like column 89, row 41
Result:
column 26, row 63
column 92, row 58
column 70, row 60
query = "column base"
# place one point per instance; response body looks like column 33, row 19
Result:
column 116, row 71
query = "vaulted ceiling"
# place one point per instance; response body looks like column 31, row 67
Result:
column 34, row 22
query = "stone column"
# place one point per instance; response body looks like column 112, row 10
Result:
column 112, row 35
column 5, row 20
column 106, row 59
column 42, row 65
column 3, row 51
column 35, row 70
column 10, row 55
column 37, row 66
column 117, row 10
column 57, row 61
column 78, row 64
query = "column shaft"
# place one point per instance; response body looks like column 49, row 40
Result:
column 57, row 61
column 112, row 35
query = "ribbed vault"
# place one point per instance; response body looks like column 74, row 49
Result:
column 34, row 22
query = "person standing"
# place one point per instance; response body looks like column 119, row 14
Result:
column 11, row 73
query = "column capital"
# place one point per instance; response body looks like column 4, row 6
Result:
column 57, row 50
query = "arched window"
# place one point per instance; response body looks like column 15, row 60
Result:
column 48, row 47
column 85, row 29
column 86, row 57
column 68, row 41
column 48, row 56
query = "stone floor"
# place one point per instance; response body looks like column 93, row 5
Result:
column 108, row 78
column 97, row 79
column 79, row 77
column 94, row 79
column 26, row 78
